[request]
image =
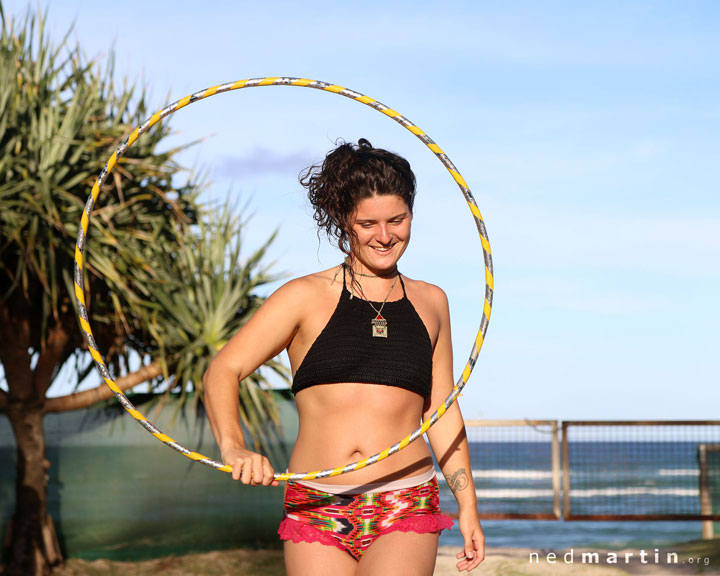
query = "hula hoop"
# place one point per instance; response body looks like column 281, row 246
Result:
column 305, row 83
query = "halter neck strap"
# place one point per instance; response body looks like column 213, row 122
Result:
column 344, row 266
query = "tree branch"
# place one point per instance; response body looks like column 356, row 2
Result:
column 87, row 398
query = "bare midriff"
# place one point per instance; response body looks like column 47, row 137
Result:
column 347, row 422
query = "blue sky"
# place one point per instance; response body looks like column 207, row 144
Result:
column 588, row 132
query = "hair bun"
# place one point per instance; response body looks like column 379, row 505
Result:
column 364, row 144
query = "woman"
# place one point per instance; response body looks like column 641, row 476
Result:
column 371, row 355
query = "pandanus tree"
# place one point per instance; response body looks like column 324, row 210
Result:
column 166, row 284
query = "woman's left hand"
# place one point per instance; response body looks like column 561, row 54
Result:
column 474, row 550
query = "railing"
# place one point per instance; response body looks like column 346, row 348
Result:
column 597, row 470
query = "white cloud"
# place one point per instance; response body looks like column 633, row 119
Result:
column 263, row 161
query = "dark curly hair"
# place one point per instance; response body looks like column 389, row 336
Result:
column 348, row 174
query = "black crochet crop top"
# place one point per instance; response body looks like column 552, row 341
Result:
column 347, row 351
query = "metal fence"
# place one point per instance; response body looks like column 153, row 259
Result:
column 597, row 470
column 516, row 468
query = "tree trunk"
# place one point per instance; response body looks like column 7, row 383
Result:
column 34, row 548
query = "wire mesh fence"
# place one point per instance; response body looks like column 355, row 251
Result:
column 516, row 468
column 635, row 470
column 596, row 470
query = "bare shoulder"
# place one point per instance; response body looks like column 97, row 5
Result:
column 307, row 288
column 429, row 293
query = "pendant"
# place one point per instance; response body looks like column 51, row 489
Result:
column 379, row 327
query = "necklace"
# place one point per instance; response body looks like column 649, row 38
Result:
column 379, row 324
column 356, row 273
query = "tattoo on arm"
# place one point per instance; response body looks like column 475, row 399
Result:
column 458, row 480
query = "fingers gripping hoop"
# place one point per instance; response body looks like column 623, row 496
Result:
column 281, row 81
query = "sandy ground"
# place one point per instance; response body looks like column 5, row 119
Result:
column 499, row 562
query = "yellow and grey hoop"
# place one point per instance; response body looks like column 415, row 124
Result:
column 281, row 81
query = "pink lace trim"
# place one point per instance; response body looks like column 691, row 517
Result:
column 421, row 524
column 297, row 531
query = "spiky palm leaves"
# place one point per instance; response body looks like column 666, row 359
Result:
column 164, row 275
column 209, row 293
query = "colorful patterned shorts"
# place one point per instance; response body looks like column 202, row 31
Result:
column 352, row 522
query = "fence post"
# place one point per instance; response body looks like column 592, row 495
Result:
column 556, row 476
column 565, row 472
column 705, row 501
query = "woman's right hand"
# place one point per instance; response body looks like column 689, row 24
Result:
column 249, row 467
